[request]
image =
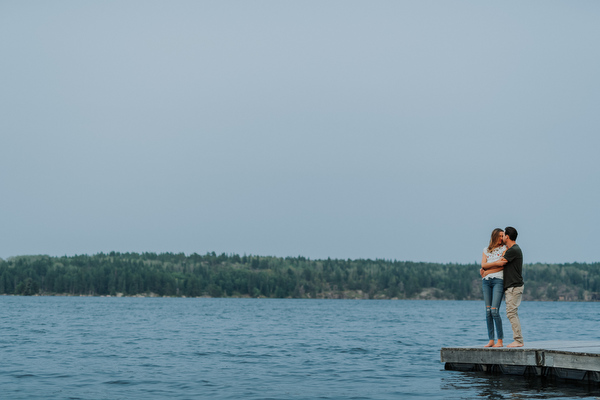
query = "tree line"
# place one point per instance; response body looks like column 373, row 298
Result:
column 232, row 275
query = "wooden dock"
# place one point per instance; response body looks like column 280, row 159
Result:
column 577, row 360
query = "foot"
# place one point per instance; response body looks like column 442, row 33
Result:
column 499, row 344
column 515, row 344
column 490, row 344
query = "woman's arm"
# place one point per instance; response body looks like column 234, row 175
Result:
column 482, row 271
column 496, row 264
column 491, row 267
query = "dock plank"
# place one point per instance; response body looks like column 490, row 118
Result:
column 570, row 359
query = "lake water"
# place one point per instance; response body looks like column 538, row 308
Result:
column 171, row 348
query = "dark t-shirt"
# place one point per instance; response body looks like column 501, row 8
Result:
column 513, row 269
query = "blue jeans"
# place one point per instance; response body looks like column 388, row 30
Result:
column 493, row 292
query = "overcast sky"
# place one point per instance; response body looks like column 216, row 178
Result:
column 402, row 130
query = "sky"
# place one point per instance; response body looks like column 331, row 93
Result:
column 399, row 130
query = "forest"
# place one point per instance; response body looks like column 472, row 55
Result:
column 232, row 275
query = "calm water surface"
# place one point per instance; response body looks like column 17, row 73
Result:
column 149, row 348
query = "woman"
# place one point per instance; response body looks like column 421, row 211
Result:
column 493, row 285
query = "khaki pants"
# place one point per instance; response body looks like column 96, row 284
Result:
column 512, row 300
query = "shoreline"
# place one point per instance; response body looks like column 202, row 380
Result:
column 156, row 296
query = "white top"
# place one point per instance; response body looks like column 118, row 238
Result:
column 492, row 256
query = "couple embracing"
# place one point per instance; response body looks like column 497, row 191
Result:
column 502, row 273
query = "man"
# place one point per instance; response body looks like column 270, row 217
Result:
column 513, row 283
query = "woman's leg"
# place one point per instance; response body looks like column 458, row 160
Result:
column 487, row 299
column 497, row 296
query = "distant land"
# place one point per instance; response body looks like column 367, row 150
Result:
column 232, row 275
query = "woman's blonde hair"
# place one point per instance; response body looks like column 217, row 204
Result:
column 494, row 239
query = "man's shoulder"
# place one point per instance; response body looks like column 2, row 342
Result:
column 516, row 250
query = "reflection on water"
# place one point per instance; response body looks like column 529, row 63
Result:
column 470, row 385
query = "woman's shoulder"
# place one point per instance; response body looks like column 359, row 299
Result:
column 499, row 249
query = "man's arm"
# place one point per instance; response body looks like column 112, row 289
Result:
column 496, row 264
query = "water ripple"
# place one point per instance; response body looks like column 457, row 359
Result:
column 130, row 348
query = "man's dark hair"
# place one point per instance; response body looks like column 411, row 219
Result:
column 511, row 233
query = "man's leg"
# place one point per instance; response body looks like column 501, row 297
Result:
column 513, row 297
